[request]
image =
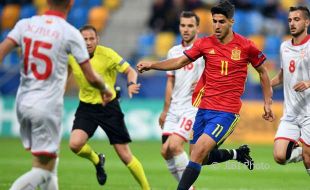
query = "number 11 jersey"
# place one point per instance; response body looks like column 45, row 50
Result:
column 222, row 82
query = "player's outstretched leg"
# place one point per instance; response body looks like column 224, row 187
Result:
column 100, row 172
column 243, row 156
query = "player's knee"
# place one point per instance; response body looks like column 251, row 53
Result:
column 75, row 145
column 279, row 157
column 175, row 148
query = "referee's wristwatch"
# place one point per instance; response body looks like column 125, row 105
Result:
column 130, row 83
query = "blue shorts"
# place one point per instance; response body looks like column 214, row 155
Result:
column 216, row 124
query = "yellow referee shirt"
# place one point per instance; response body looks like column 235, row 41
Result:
column 107, row 63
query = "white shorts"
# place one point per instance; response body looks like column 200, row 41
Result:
column 40, row 129
column 294, row 129
column 180, row 122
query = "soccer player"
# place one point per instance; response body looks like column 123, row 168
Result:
column 219, row 89
column 90, row 114
column 178, row 114
column 295, row 77
column 45, row 42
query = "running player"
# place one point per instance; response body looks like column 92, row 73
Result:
column 45, row 42
column 179, row 114
column 295, row 77
column 218, row 92
column 90, row 114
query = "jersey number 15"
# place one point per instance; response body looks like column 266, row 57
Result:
column 36, row 54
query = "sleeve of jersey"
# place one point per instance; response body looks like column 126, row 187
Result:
column 15, row 33
column 195, row 52
column 78, row 47
column 170, row 73
column 256, row 57
column 281, row 54
column 120, row 64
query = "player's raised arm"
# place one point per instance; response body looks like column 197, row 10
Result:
column 267, row 92
column 166, row 65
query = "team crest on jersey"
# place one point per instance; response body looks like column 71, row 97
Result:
column 235, row 54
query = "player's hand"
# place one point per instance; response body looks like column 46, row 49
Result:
column 106, row 96
column 144, row 66
column 301, row 86
column 133, row 89
column 268, row 114
column 162, row 119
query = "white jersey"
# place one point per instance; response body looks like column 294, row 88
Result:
column 184, row 78
column 181, row 114
column 295, row 62
column 46, row 41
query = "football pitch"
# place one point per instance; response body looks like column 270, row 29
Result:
column 76, row 173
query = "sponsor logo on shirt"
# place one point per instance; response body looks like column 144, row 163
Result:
column 211, row 52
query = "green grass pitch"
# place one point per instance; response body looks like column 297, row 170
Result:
column 76, row 173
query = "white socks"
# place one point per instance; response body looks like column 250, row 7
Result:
column 37, row 177
column 52, row 184
column 181, row 162
column 296, row 155
column 172, row 169
column 32, row 179
column 177, row 165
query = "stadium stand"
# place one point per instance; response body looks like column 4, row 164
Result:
column 9, row 16
column 98, row 17
column 94, row 12
column 130, row 33
column 163, row 42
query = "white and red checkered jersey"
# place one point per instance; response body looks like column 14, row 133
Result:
column 184, row 78
column 295, row 62
column 46, row 41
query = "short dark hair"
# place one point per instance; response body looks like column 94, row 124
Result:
column 61, row 3
column 224, row 7
column 304, row 9
column 189, row 14
column 88, row 27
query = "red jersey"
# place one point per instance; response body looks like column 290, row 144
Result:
column 222, row 83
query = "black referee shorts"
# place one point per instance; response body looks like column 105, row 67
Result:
column 109, row 117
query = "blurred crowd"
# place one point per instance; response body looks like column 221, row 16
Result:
column 262, row 21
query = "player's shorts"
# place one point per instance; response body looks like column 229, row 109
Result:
column 40, row 129
column 294, row 129
column 109, row 117
column 216, row 124
column 180, row 122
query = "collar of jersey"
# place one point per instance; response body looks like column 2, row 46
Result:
column 55, row 13
column 303, row 41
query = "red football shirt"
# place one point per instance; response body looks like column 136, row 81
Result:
column 222, row 83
